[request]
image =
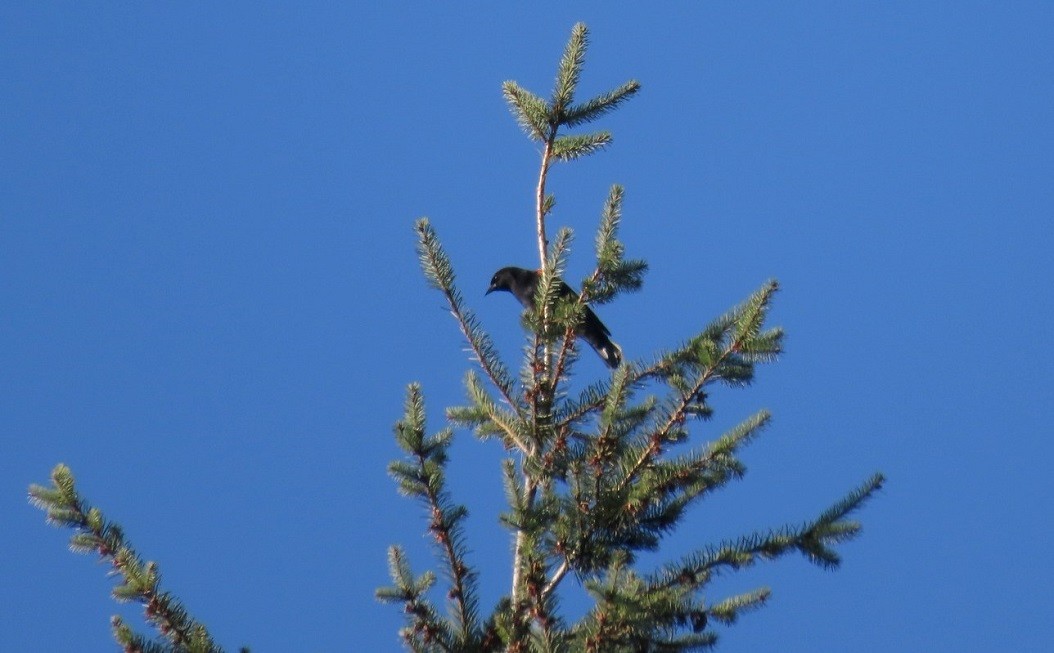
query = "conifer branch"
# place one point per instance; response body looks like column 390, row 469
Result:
column 140, row 580
column 631, row 615
column 549, row 295
column 594, row 397
column 571, row 313
column 709, row 361
column 676, row 417
column 569, row 148
column 813, row 540
column 531, row 111
column 487, row 418
column 439, row 272
column 425, row 480
column 729, row 610
column 533, row 509
column 131, row 641
column 589, row 111
column 566, row 355
column 426, row 630
column 613, row 274
column 570, row 69
column 669, row 487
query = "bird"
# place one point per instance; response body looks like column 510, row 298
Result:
column 523, row 284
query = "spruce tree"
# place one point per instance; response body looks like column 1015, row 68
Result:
column 599, row 474
column 595, row 476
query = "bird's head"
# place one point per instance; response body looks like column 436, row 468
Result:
column 503, row 279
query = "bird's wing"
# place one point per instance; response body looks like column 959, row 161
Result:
column 589, row 318
column 592, row 322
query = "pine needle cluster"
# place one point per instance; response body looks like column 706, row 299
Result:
column 598, row 475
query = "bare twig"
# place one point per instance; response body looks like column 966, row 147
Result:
column 543, row 243
column 558, row 576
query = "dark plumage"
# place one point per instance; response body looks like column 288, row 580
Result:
column 523, row 284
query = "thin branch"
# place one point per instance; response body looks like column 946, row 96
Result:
column 585, row 409
column 140, row 581
column 558, row 576
column 543, row 245
column 676, row 417
column 497, row 417
column 435, row 260
column 569, row 335
column 529, row 492
column 543, row 242
column 444, row 534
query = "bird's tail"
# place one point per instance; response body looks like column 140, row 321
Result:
column 593, row 331
column 610, row 352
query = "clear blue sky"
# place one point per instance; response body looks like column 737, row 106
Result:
column 210, row 303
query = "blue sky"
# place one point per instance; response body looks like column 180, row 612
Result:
column 211, row 305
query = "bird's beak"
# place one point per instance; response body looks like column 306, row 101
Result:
column 489, row 290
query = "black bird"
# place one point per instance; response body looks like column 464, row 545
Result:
column 523, row 284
